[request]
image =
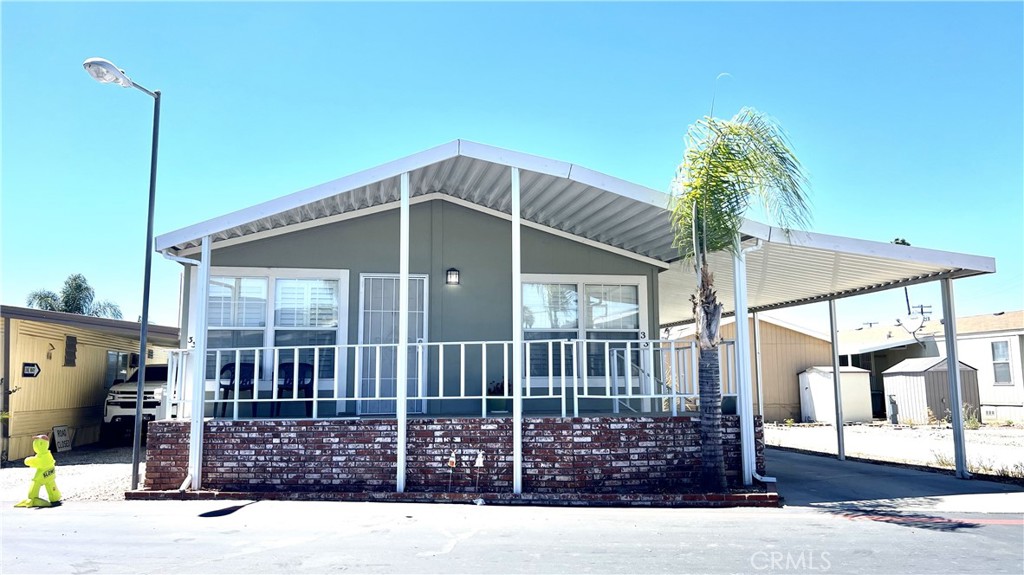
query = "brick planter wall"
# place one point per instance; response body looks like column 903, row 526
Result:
column 596, row 455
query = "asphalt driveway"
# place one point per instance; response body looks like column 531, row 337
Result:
column 825, row 482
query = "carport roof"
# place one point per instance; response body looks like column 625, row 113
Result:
column 788, row 268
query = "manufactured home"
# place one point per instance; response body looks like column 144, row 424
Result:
column 57, row 368
column 368, row 321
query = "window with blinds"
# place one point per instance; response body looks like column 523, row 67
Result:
column 237, row 318
column 306, row 316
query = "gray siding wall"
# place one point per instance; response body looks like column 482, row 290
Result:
column 442, row 236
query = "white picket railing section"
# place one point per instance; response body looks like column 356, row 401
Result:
column 560, row 377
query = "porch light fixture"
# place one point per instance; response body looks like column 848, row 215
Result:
column 452, row 277
column 105, row 72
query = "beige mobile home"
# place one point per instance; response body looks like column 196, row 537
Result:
column 785, row 351
column 57, row 368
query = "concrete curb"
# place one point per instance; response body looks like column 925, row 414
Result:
column 769, row 498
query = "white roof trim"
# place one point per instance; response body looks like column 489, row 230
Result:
column 395, row 168
column 385, row 171
column 870, row 248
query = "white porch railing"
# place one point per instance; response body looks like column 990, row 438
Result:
column 446, row 378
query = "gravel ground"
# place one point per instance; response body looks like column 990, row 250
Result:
column 88, row 473
column 994, row 450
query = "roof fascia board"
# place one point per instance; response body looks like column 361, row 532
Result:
column 623, row 188
column 106, row 325
column 950, row 260
column 755, row 229
column 297, row 199
column 519, row 160
column 952, row 274
column 773, row 321
column 794, row 327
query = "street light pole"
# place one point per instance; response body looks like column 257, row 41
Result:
column 106, row 72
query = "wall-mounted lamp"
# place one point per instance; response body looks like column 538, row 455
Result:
column 452, row 277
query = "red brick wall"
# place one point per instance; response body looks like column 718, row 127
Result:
column 578, row 455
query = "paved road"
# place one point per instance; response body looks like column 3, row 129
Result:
column 313, row 537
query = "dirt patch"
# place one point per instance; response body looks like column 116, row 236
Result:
column 990, row 450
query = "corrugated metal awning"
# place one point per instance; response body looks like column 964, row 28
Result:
column 787, row 269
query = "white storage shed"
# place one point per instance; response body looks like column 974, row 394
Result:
column 817, row 394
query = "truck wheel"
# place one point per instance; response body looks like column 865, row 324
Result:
column 108, row 434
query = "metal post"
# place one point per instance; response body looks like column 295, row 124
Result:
column 744, row 399
column 195, row 443
column 836, row 380
column 757, row 365
column 402, row 370
column 517, row 342
column 144, row 329
column 953, row 374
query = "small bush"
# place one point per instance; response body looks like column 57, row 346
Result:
column 970, row 417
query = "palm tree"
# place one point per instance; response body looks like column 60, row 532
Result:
column 77, row 296
column 728, row 165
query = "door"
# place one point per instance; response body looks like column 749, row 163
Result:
column 378, row 324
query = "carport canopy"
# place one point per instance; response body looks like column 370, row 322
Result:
column 785, row 268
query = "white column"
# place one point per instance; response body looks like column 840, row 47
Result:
column 838, row 390
column 198, row 302
column 402, row 369
column 517, row 342
column 757, row 365
column 744, row 393
column 953, row 374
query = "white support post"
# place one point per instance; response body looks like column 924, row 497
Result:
column 837, row 386
column 402, row 369
column 757, row 366
column 195, row 441
column 953, row 375
column 744, row 395
column 517, row 341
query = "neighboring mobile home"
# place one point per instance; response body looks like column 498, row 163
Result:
column 779, row 352
column 991, row 343
column 430, row 284
column 78, row 359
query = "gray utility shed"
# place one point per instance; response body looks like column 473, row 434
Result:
column 916, row 385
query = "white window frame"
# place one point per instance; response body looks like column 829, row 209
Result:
column 581, row 281
column 272, row 275
column 1007, row 361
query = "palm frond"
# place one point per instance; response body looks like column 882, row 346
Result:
column 728, row 165
column 43, row 299
column 105, row 309
column 77, row 295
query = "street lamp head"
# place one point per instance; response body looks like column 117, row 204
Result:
column 104, row 71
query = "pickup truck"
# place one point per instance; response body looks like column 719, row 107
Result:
column 119, row 408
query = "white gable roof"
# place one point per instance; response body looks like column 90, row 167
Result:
column 788, row 268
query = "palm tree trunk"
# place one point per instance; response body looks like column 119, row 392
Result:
column 711, row 451
column 708, row 314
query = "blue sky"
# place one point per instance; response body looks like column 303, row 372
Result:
column 908, row 117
